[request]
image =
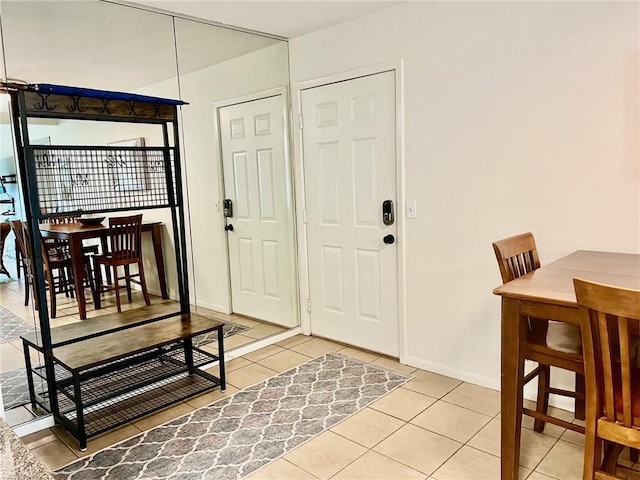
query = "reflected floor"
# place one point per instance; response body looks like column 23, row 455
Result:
column 239, row 331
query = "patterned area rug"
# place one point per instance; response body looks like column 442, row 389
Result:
column 236, row 435
column 12, row 326
column 228, row 330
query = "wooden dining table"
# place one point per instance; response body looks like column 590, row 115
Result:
column 75, row 233
column 546, row 293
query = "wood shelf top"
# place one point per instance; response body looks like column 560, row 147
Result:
column 113, row 346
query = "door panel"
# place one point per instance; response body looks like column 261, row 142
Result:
column 350, row 170
column 261, row 255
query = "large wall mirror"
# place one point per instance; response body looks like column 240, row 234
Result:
column 234, row 146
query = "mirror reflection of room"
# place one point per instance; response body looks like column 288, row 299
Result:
column 205, row 58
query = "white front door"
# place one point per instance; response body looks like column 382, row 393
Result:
column 349, row 156
column 257, row 181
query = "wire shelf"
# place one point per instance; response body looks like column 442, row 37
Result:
column 100, row 179
column 118, row 381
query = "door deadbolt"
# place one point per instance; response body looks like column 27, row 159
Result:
column 387, row 212
column 227, row 207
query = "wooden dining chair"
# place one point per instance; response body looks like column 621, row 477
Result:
column 125, row 239
column 549, row 343
column 57, row 267
column 610, row 322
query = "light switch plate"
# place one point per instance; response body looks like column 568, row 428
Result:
column 412, row 209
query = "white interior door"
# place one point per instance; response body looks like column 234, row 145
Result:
column 349, row 152
column 257, row 181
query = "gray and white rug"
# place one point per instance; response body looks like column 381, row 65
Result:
column 229, row 329
column 239, row 434
column 12, row 326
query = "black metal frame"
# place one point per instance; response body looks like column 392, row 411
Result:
column 27, row 102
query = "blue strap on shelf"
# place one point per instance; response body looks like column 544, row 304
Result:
column 102, row 94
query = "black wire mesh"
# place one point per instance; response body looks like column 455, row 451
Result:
column 99, row 179
column 119, row 392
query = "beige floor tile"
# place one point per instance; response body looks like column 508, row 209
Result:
column 403, row 404
column 394, row 365
column 235, row 364
column 373, row 466
column 247, row 322
column 234, row 341
column 433, row 451
column 539, row 476
column 263, row 353
column 249, row 375
column 11, row 363
column 96, row 443
column 358, row 354
column 210, row 397
column 280, row 470
column 35, row 440
column 470, row 464
column 54, row 455
column 431, row 384
column 18, row 415
column 573, row 437
column 564, row 461
column 316, row 347
column 283, row 361
column 163, row 416
column 368, row 427
column 262, row 331
column 473, row 397
column 325, row 455
column 533, row 447
column 488, row 439
column 293, row 341
column 452, row 421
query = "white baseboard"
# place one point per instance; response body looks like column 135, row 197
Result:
column 563, row 403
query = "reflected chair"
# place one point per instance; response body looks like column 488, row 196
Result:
column 610, row 322
column 125, row 239
column 57, row 267
column 549, row 343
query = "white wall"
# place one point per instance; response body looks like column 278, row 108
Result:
column 518, row 116
column 258, row 71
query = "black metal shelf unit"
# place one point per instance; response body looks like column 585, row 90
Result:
column 90, row 398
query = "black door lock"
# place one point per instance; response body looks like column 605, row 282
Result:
column 389, row 239
column 229, row 228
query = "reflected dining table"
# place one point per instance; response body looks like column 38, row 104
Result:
column 546, row 293
column 75, row 233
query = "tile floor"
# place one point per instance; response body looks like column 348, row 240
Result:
column 11, row 353
column 432, row 427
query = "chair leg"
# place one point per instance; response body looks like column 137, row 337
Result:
column 542, row 402
column 143, row 284
column 580, row 399
column 116, row 286
column 98, row 285
column 18, row 262
column 52, row 293
column 26, row 287
column 633, row 455
column 127, row 277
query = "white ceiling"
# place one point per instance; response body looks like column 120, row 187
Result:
column 283, row 18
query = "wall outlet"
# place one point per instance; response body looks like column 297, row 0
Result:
column 412, row 209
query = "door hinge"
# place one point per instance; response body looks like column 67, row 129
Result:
column 308, row 305
column 300, row 122
column 304, row 216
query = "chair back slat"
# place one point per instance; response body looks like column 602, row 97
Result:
column 611, row 316
column 516, row 256
column 125, row 234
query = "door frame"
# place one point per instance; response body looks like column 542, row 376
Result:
column 395, row 66
column 291, row 213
